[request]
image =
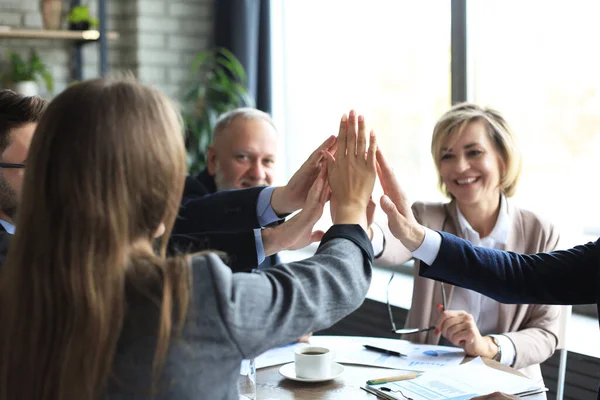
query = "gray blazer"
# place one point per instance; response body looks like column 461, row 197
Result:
column 234, row 316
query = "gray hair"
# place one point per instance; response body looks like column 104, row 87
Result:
column 246, row 113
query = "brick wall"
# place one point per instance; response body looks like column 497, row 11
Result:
column 158, row 39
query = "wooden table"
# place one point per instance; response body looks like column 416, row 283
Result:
column 271, row 385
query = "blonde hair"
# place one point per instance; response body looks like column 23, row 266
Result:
column 456, row 120
column 106, row 167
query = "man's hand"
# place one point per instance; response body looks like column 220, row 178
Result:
column 496, row 396
column 395, row 204
column 296, row 232
column 291, row 197
column 352, row 174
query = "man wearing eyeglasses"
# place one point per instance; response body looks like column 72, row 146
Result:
column 18, row 119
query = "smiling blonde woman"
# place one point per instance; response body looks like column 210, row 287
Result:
column 478, row 166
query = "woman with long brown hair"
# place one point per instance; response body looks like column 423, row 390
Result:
column 89, row 308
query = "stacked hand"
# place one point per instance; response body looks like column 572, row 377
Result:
column 395, row 204
column 296, row 232
column 351, row 173
column 348, row 176
column 291, row 197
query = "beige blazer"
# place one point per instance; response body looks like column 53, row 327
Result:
column 532, row 328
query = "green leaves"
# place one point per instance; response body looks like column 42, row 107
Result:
column 81, row 13
column 218, row 85
column 32, row 70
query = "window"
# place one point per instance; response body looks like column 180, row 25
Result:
column 388, row 59
column 536, row 62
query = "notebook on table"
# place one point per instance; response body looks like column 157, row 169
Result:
column 457, row 383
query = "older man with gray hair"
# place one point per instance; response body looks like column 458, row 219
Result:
column 243, row 156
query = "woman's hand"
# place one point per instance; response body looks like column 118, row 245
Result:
column 460, row 329
column 371, row 207
column 351, row 174
column 496, row 396
column 395, row 204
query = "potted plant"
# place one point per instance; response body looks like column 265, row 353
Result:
column 79, row 18
column 24, row 75
column 218, row 85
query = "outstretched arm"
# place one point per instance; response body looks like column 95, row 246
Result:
column 559, row 277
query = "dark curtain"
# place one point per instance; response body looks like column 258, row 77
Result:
column 244, row 28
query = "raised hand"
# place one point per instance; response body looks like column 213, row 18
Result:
column 297, row 232
column 460, row 329
column 351, row 173
column 371, row 207
column 291, row 197
column 395, row 204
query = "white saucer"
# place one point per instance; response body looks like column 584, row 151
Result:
column 289, row 371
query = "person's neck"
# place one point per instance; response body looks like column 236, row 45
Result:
column 482, row 216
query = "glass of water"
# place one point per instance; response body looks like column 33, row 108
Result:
column 247, row 380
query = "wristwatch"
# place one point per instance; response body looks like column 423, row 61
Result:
column 498, row 355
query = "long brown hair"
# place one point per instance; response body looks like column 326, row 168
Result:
column 106, row 167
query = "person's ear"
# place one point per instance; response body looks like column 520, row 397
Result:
column 160, row 230
column 211, row 160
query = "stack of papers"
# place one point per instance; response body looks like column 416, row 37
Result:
column 457, row 383
column 350, row 350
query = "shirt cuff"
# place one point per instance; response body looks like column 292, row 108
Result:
column 429, row 249
column 378, row 240
column 264, row 211
column 508, row 354
column 260, row 248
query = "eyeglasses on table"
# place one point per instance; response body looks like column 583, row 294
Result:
column 408, row 331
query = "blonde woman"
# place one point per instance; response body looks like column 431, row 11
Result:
column 90, row 310
column 478, row 165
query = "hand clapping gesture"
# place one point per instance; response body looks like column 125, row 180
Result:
column 352, row 174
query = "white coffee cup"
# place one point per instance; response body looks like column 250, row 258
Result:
column 313, row 362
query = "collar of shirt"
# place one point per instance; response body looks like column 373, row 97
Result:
column 498, row 236
column 8, row 227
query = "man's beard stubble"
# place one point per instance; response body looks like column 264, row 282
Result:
column 8, row 199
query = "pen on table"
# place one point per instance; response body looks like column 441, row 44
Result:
column 384, row 351
column 393, row 379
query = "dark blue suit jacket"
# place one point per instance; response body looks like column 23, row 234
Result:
column 5, row 238
column 221, row 221
column 559, row 277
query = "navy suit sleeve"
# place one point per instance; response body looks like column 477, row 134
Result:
column 5, row 238
column 559, row 277
column 239, row 247
column 231, row 210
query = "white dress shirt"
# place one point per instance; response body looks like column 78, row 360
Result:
column 8, row 227
column 483, row 309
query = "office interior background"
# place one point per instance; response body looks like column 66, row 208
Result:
column 401, row 63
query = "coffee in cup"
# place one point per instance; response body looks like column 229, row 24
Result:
column 313, row 362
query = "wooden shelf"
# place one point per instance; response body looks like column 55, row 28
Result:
column 7, row 32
